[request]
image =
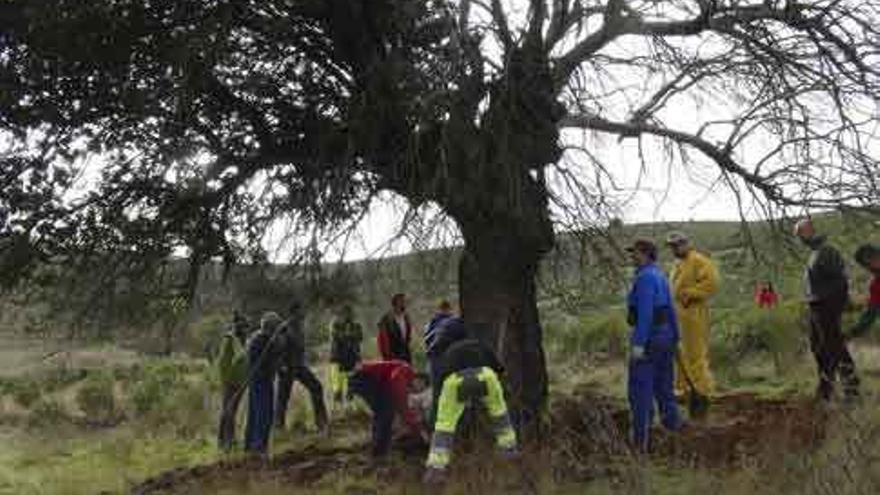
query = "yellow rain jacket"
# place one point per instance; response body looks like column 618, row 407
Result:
column 694, row 281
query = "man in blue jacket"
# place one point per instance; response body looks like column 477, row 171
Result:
column 262, row 363
column 653, row 345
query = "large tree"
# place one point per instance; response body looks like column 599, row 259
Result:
column 214, row 118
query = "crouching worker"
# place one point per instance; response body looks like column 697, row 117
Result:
column 653, row 345
column 386, row 387
column 469, row 376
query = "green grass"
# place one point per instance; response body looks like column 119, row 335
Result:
column 75, row 462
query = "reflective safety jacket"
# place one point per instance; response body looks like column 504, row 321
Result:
column 232, row 360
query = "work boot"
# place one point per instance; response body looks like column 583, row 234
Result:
column 435, row 477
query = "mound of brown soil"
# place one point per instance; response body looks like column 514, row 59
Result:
column 587, row 439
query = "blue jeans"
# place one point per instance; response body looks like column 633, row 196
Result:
column 260, row 415
column 651, row 379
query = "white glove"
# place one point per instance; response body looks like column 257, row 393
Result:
column 637, row 353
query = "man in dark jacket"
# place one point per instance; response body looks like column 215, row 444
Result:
column 444, row 312
column 395, row 332
column 468, row 376
column 292, row 367
column 826, row 290
column 262, row 360
column 346, row 336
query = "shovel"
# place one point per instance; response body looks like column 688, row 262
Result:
column 697, row 403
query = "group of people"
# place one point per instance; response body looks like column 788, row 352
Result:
column 463, row 373
column 669, row 356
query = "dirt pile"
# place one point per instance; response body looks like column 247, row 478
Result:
column 744, row 426
column 299, row 468
column 587, row 439
column 738, row 427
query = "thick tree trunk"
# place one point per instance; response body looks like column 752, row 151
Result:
column 498, row 293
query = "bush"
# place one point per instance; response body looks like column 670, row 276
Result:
column 154, row 386
column 47, row 412
column 606, row 333
column 203, row 336
column 166, row 397
column 96, row 398
column 25, row 392
column 187, row 408
column 778, row 332
column 61, row 377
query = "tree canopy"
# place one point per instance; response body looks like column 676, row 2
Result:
column 212, row 119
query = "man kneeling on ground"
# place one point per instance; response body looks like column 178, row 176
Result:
column 386, row 387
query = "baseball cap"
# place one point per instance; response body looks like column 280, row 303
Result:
column 677, row 237
column 643, row 245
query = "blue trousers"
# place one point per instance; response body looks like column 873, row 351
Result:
column 651, row 379
column 260, row 415
column 436, row 388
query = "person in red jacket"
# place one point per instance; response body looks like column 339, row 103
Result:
column 765, row 296
column 869, row 257
column 395, row 332
column 386, row 387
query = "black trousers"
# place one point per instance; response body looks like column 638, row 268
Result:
column 380, row 402
column 302, row 374
column 829, row 348
column 232, row 394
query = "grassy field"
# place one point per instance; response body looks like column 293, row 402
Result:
column 62, row 453
column 80, row 417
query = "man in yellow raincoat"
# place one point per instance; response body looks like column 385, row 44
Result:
column 694, row 281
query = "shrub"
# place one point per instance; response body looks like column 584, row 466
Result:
column 154, row 386
column 96, row 398
column 203, row 336
column 25, row 392
column 606, row 333
column 61, row 377
column 47, row 412
column 187, row 408
column 777, row 332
